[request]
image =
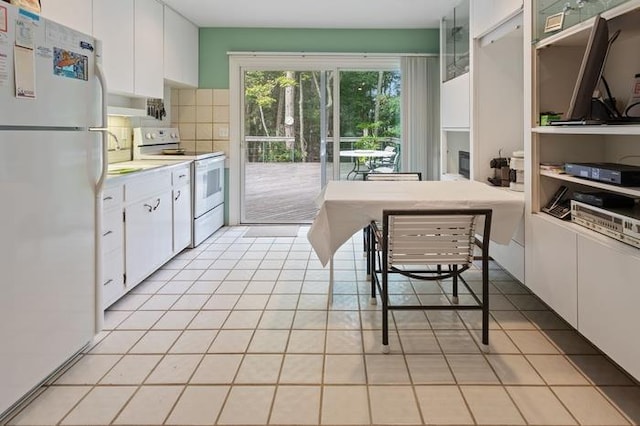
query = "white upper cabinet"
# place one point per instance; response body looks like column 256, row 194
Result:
column 454, row 95
column 488, row 14
column 132, row 36
column 180, row 49
column 148, row 48
column 76, row 14
column 113, row 24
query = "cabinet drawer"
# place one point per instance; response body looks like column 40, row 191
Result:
column 112, row 277
column 181, row 176
column 147, row 185
column 112, row 197
column 111, row 230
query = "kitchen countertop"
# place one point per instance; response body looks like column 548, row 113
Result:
column 141, row 166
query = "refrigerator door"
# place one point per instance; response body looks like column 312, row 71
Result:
column 54, row 61
column 47, row 257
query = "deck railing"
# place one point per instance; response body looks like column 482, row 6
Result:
column 282, row 149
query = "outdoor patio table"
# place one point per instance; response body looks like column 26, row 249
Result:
column 359, row 167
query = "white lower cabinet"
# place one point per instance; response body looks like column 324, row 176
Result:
column 181, row 218
column 112, row 277
column 551, row 265
column 112, row 245
column 182, row 213
column 146, row 221
column 511, row 256
column 589, row 280
column 149, row 235
column 608, row 300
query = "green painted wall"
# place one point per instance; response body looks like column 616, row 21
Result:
column 216, row 42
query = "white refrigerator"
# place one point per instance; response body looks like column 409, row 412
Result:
column 51, row 171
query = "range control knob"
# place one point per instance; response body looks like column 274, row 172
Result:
column 147, row 135
column 153, row 135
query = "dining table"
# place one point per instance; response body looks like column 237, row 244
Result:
column 346, row 207
column 363, row 157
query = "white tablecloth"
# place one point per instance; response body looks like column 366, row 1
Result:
column 348, row 206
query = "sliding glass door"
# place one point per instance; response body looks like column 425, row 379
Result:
column 286, row 161
column 290, row 109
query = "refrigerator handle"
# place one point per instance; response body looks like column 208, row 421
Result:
column 105, row 132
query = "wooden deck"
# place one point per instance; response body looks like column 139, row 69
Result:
column 283, row 192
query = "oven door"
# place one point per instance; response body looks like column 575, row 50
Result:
column 208, row 184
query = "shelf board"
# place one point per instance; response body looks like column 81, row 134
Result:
column 631, row 191
column 612, row 129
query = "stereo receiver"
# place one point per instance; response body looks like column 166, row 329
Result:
column 622, row 225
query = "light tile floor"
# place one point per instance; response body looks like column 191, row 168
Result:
column 236, row 331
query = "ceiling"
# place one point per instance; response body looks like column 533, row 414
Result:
column 314, row 14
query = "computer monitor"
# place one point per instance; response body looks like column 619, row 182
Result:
column 591, row 69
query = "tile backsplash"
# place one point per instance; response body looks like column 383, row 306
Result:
column 202, row 115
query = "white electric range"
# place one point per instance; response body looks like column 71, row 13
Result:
column 207, row 176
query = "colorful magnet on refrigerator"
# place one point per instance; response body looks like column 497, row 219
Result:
column 69, row 64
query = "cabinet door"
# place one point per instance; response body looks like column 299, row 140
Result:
column 455, row 102
column 180, row 49
column 191, row 51
column 182, row 218
column 488, row 14
column 112, row 277
column 481, row 11
column 76, row 14
column 172, row 43
column 113, row 24
column 112, row 252
column 148, row 236
column 149, row 49
column 551, row 262
column 608, row 295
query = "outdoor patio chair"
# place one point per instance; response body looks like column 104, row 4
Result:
column 430, row 245
column 387, row 164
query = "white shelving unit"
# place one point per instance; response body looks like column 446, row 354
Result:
column 482, row 102
column 586, row 277
column 455, row 89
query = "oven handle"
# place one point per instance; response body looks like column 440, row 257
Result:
column 208, row 162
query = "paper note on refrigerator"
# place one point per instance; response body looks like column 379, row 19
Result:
column 24, row 33
column 4, row 68
column 25, row 74
column 3, row 19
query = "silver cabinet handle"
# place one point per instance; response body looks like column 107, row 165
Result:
column 107, row 233
column 107, row 198
column 109, row 281
column 177, row 196
column 181, row 176
column 157, row 204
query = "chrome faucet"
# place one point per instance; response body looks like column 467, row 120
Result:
column 109, row 132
